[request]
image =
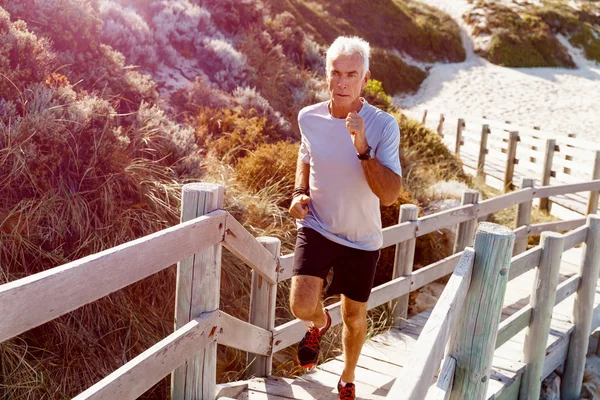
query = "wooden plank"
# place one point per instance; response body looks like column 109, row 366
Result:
column 582, row 313
column 292, row 332
column 543, row 296
column 263, row 302
column 524, row 262
column 485, row 131
column 498, row 203
column 243, row 336
column 433, row 272
column 394, row 346
column 197, row 291
column 403, row 265
column 567, row 288
column 472, row 343
column 372, row 364
column 361, row 375
column 230, row 389
column 575, row 237
column 465, row 232
column 513, row 325
column 509, row 171
column 286, row 266
column 548, row 191
column 547, row 172
column 557, row 355
column 521, row 232
column 140, row 374
column 443, row 387
column 459, row 139
column 445, row 219
column 430, row 346
column 592, row 205
column 523, row 218
column 31, row 301
column 245, row 246
column 556, row 226
column 399, row 233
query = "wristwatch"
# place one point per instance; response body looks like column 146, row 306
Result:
column 369, row 154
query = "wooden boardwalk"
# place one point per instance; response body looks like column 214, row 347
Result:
column 385, row 356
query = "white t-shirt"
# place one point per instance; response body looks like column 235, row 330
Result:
column 343, row 208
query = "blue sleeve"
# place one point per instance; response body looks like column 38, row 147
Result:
column 387, row 151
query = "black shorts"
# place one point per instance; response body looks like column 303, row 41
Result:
column 353, row 269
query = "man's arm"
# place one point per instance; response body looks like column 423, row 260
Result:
column 302, row 173
column 300, row 199
column 384, row 182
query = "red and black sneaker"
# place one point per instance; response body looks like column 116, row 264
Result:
column 308, row 348
column 346, row 392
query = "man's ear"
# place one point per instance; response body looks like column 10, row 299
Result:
column 366, row 79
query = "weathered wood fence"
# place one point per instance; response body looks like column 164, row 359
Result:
column 502, row 150
column 196, row 244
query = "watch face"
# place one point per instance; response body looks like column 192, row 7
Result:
column 371, row 152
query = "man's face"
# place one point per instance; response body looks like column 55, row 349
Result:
column 345, row 78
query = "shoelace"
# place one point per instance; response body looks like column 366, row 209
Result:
column 347, row 393
column 311, row 340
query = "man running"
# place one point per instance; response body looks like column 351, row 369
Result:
column 348, row 164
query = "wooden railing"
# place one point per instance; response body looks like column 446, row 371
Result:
column 551, row 158
column 196, row 243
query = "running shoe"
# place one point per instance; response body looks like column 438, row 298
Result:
column 308, row 348
column 346, row 392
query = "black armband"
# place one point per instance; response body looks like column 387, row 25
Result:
column 298, row 191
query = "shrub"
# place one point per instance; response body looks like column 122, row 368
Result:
column 270, row 165
column 156, row 137
column 234, row 16
column 395, row 75
column 24, row 58
column 376, row 96
column 127, row 31
column 232, row 133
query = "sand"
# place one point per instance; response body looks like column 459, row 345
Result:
column 556, row 99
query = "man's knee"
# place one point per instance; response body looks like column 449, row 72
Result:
column 305, row 296
column 354, row 315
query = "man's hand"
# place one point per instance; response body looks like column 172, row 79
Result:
column 299, row 207
column 356, row 127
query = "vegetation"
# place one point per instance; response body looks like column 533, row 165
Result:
column 527, row 35
column 93, row 152
column 398, row 25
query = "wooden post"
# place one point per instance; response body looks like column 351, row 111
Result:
column 592, row 206
column 547, row 171
column 440, row 127
column 543, row 296
column 403, row 265
column 582, row 313
column 485, row 131
column 511, row 160
column 459, row 138
column 472, row 343
column 263, row 299
column 465, row 232
column 523, row 218
column 198, row 282
column 424, row 120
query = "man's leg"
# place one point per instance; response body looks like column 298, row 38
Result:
column 354, row 315
column 305, row 299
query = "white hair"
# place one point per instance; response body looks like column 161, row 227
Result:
column 345, row 45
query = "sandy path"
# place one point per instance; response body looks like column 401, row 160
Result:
column 557, row 99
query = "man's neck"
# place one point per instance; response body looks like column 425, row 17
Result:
column 341, row 111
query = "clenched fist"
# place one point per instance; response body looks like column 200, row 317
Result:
column 299, row 207
column 355, row 124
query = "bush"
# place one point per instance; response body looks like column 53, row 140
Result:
column 376, row 96
column 395, row 75
column 270, row 165
column 24, row 58
column 127, row 31
column 232, row 133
